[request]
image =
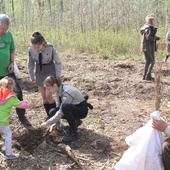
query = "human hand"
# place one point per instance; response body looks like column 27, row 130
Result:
column 160, row 125
column 51, row 127
column 11, row 68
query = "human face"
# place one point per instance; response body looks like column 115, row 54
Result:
column 3, row 29
column 53, row 89
column 38, row 47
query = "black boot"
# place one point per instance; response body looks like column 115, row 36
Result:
column 72, row 136
column 49, row 106
column 78, row 123
column 144, row 77
column 166, row 58
column 21, row 114
column 149, row 77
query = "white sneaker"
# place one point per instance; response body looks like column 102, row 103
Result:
column 12, row 156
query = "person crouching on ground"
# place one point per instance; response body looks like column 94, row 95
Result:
column 72, row 106
column 8, row 100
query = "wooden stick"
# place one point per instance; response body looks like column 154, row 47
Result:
column 68, row 151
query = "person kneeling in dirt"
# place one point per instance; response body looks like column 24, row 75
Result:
column 73, row 106
column 8, row 100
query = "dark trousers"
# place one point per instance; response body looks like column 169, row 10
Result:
column 166, row 154
column 72, row 112
column 18, row 92
column 149, row 62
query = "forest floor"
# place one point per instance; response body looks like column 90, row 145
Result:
column 122, row 103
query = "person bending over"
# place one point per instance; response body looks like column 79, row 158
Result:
column 72, row 106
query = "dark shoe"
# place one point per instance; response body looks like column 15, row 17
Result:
column 72, row 136
column 78, row 123
column 144, row 77
column 149, row 77
column 166, row 58
column 12, row 156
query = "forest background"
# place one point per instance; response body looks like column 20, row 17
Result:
column 100, row 27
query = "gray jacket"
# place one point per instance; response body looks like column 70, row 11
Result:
column 67, row 95
column 49, row 54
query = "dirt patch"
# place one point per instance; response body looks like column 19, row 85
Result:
column 122, row 103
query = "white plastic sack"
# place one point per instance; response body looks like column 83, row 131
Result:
column 16, row 70
column 144, row 152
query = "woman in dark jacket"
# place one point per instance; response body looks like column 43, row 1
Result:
column 148, row 45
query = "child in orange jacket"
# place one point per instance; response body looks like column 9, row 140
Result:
column 8, row 100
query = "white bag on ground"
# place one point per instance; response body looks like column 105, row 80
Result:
column 145, row 151
column 16, row 70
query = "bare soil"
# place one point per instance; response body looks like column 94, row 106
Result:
column 122, row 103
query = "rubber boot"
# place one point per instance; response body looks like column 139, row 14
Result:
column 21, row 114
column 149, row 77
column 144, row 77
column 166, row 58
column 78, row 123
column 72, row 136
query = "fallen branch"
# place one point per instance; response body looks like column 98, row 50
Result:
column 84, row 159
column 58, row 152
column 68, row 151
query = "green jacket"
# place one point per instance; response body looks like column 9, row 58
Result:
column 6, row 47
